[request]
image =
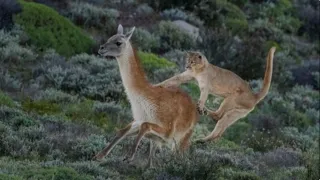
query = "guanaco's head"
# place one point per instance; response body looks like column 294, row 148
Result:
column 195, row 60
column 117, row 44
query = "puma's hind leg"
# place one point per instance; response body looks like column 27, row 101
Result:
column 228, row 119
column 226, row 105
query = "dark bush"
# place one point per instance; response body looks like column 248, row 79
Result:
column 8, row 8
column 47, row 29
column 165, row 4
column 58, row 5
column 303, row 75
column 308, row 11
column 221, row 14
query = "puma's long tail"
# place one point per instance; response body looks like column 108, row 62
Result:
column 267, row 76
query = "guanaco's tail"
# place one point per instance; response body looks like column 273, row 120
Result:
column 267, row 76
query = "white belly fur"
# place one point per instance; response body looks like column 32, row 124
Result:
column 142, row 109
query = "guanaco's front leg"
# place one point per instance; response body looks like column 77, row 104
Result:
column 176, row 80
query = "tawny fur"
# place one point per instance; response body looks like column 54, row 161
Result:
column 164, row 115
column 239, row 100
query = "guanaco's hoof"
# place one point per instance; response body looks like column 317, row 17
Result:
column 97, row 157
column 128, row 159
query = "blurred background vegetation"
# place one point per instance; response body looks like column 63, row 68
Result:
column 60, row 102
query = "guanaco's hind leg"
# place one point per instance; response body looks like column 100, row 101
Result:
column 146, row 127
column 152, row 150
column 227, row 119
column 127, row 131
column 185, row 143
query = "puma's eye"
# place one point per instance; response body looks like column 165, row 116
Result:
column 199, row 57
column 118, row 43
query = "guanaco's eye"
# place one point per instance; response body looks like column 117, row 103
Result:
column 118, row 43
column 199, row 57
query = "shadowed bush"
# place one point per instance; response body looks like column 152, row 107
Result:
column 8, row 8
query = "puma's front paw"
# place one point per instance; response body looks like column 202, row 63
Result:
column 158, row 85
column 201, row 110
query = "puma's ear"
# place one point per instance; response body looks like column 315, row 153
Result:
column 129, row 34
column 120, row 29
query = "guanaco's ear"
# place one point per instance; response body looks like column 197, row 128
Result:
column 129, row 34
column 120, row 29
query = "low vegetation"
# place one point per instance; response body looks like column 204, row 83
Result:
column 60, row 103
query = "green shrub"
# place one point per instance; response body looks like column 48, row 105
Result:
column 48, row 29
column 5, row 100
column 144, row 10
column 237, row 131
column 145, row 41
column 288, row 24
column 178, row 57
column 178, row 14
column 227, row 144
column 157, row 68
column 9, row 177
column 85, row 148
column 8, row 82
column 55, row 96
column 41, row 107
column 262, row 141
column 171, row 37
column 231, row 174
column 312, row 162
column 15, row 54
column 236, row 25
column 296, row 139
column 152, row 62
column 290, row 173
column 217, row 13
column 54, row 173
column 90, row 15
column 83, row 112
column 95, row 169
column 7, row 37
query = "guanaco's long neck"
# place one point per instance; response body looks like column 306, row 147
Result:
column 132, row 74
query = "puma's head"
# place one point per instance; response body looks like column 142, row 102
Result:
column 116, row 44
column 195, row 61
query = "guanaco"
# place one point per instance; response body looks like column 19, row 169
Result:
column 166, row 116
column 239, row 100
